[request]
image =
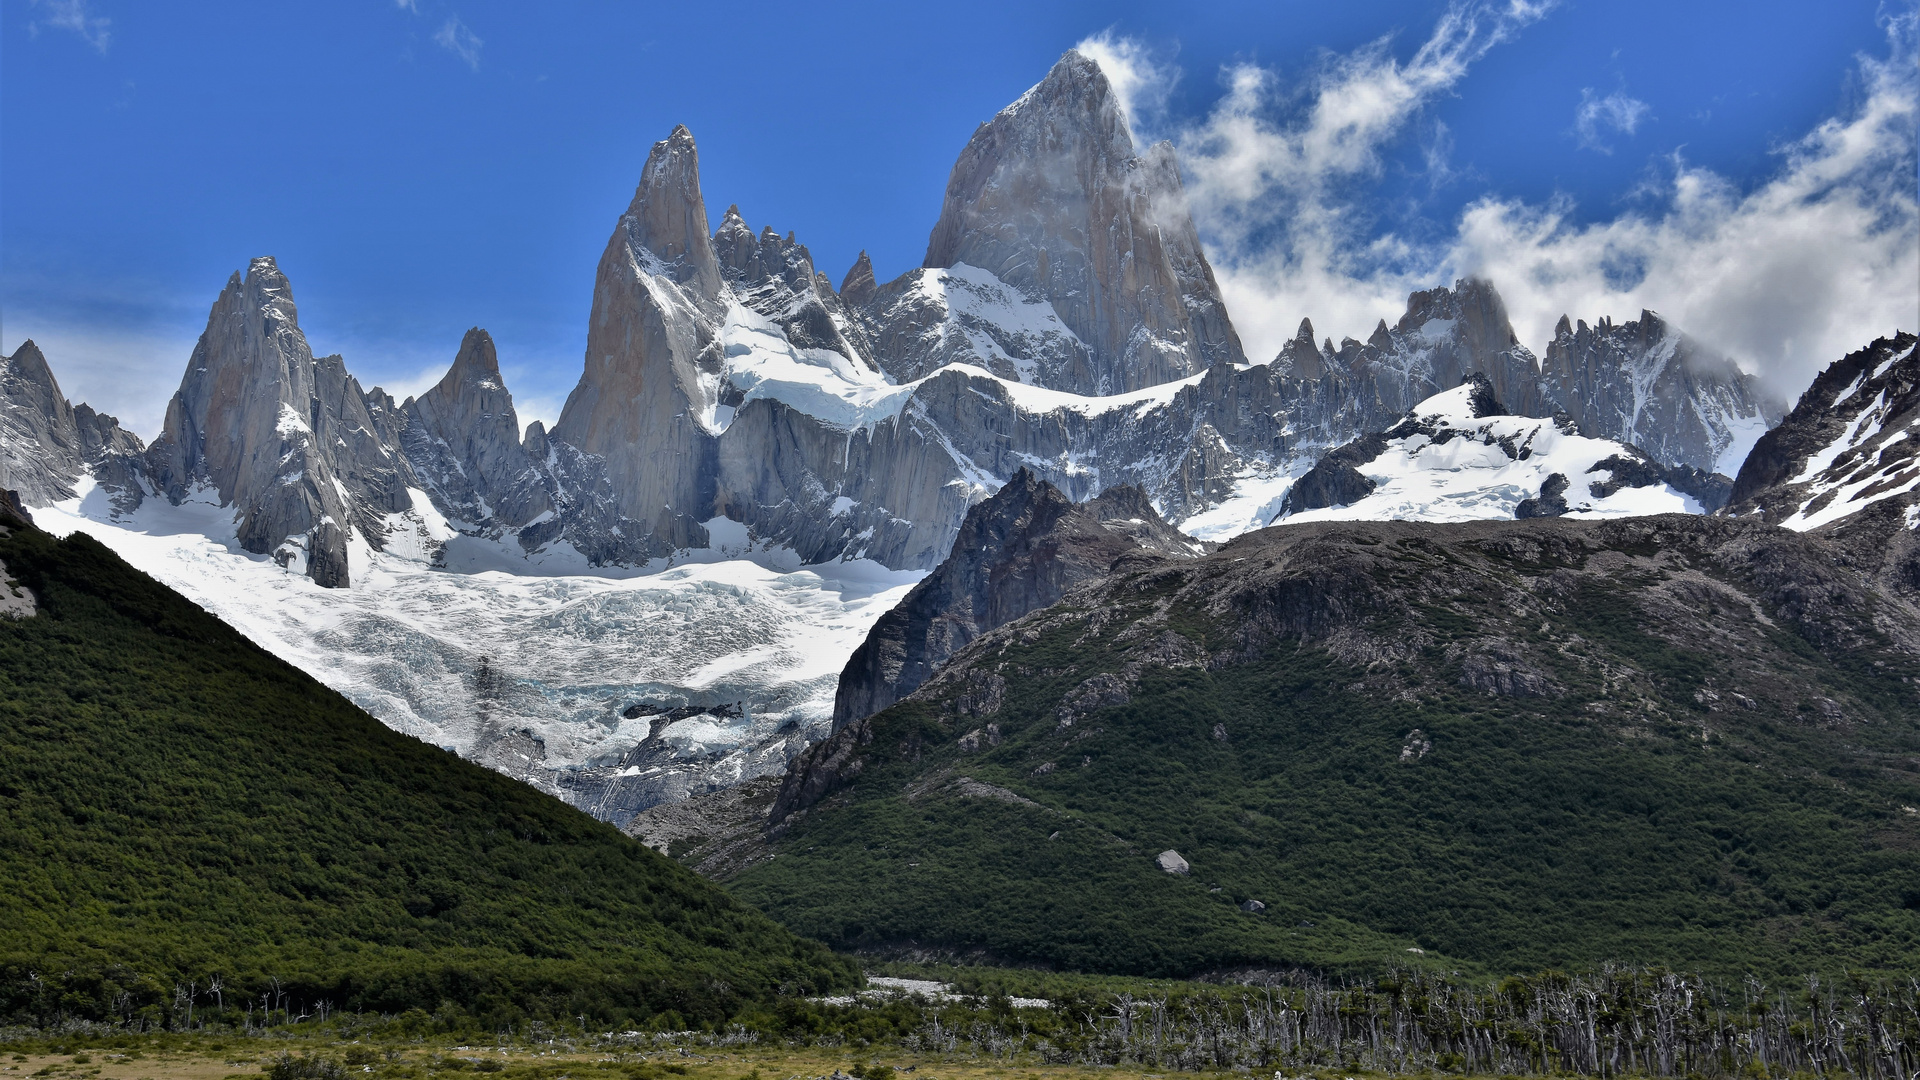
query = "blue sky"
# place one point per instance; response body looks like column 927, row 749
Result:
column 423, row 167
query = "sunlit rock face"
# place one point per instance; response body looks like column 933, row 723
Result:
column 286, row 439
column 1646, row 383
column 1050, row 197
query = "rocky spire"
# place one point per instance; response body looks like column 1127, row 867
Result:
column 282, row 437
column 1301, row 357
column 647, row 402
column 1050, row 197
column 668, row 216
column 858, row 286
column 40, row 448
column 465, row 425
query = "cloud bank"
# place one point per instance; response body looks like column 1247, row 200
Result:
column 1784, row 275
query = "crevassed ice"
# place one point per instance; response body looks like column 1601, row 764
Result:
column 572, row 649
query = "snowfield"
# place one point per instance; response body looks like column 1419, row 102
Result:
column 530, row 662
column 574, row 650
column 1477, row 468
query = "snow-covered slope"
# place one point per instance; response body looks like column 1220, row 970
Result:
column 1457, row 456
column 1852, row 442
column 533, row 673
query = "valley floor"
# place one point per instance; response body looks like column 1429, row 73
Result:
column 244, row 1059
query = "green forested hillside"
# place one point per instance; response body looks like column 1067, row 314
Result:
column 176, row 804
column 1513, row 746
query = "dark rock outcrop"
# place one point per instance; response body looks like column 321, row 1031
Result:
column 1843, row 432
column 1018, row 551
column 1845, row 463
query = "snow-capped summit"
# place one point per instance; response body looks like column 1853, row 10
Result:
column 1460, row 456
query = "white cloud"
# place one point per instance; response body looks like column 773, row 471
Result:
column 1274, row 176
column 1785, row 275
column 1140, row 80
column 73, row 15
column 1597, row 116
column 460, row 41
column 412, row 6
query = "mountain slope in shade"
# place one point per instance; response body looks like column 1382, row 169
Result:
column 1678, row 739
column 250, row 822
column 1017, row 552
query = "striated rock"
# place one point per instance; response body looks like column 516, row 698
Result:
column 285, row 439
column 463, row 440
column 1646, row 383
column 1050, row 198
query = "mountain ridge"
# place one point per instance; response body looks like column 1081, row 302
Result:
column 1064, row 316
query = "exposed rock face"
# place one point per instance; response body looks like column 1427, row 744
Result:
column 1050, row 198
column 858, row 286
column 40, row 451
column 646, row 404
column 775, row 277
column 284, row 438
column 462, row 438
column 1646, row 383
column 1850, row 444
column 1018, row 551
column 1446, row 335
column 48, row 446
